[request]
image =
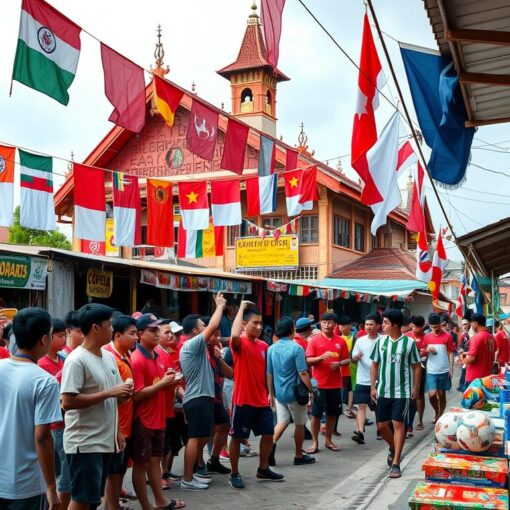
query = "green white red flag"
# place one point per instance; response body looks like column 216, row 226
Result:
column 48, row 50
column 36, row 209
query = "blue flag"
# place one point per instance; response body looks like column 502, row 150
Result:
column 441, row 113
column 478, row 295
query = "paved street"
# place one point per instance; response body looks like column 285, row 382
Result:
column 348, row 479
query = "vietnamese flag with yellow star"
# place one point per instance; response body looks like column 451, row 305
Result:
column 194, row 205
column 160, row 213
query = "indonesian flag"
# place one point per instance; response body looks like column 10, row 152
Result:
column 416, row 220
column 37, row 209
column 194, row 205
column 6, row 185
column 423, row 262
column 261, row 190
column 226, row 203
column 126, row 210
column 48, row 50
column 438, row 264
column 193, row 244
column 89, row 203
column 202, row 130
column 385, row 162
column 300, row 190
column 364, row 130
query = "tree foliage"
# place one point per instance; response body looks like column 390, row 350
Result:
column 30, row 236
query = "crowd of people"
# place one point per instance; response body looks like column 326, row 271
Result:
column 89, row 396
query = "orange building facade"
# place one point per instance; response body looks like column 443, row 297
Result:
column 334, row 233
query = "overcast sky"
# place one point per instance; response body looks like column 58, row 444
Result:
column 202, row 36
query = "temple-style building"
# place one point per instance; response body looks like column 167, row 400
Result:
column 337, row 230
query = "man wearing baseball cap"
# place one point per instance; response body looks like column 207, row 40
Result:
column 151, row 377
column 304, row 329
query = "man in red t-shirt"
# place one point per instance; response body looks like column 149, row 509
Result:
column 250, row 399
column 482, row 347
column 502, row 345
column 151, row 377
column 326, row 354
column 74, row 334
column 54, row 365
column 438, row 346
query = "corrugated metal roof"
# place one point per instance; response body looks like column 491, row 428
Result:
column 482, row 59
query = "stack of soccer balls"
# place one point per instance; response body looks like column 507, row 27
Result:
column 473, row 431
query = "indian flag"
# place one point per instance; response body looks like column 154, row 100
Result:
column 36, row 210
column 192, row 244
column 48, row 50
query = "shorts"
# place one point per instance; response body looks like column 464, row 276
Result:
column 64, row 479
column 361, row 395
column 250, row 418
column 439, row 382
column 88, row 476
column 176, row 434
column 221, row 416
column 392, row 409
column 33, row 503
column 199, row 414
column 423, row 381
column 228, row 388
column 298, row 413
column 329, row 400
column 346, row 388
column 149, row 443
column 120, row 461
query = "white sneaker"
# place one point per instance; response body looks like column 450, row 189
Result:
column 202, row 479
column 194, row 485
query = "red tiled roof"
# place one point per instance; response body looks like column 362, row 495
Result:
column 380, row 264
column 252, row 54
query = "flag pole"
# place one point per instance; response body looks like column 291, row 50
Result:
column 415, row 136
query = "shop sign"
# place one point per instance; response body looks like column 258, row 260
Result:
column 99, row 283
column 110, row 249
column 21, row 272
column 229, row 286
column 254, row 253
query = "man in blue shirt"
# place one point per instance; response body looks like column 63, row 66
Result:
column 286, row 367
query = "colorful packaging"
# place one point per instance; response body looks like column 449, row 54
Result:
column 466, row 470
column 430, row 496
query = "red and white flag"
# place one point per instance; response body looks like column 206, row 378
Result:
column 202, row 131
column 438, row 264
column 364, row 129
column 226, row 203
column 300, row 190
column 235, row 146
column 423, row 262
column 194, row 205
column 126, row 210
column 89, row 203
column 460, row 304
column 385, row 161
column 416, row 220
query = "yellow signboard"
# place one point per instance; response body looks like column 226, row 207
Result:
column 110, row 248
column 99, row 283
column 268, row 253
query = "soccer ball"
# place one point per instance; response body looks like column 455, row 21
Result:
column 446, row 430
column 476, row 432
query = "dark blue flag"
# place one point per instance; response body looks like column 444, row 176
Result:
column 478, row 295
column 441, row 113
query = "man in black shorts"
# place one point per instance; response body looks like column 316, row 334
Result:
column 199, row 394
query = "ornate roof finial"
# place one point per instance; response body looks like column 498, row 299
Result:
column 253, row 18
column 302, row 142
column 339, row 167
column 159, row 54
column 193, row 87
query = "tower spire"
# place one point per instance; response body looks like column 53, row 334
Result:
column 159, row 54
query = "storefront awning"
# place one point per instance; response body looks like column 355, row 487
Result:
column 387, row 288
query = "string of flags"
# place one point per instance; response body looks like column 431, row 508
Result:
column 251, row 229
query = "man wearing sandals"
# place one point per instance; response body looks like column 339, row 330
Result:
column 396, row 368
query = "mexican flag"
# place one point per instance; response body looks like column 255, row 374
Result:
column 36, row 209
column 48, row 50
column 193, row 244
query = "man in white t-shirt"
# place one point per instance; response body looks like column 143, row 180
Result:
column 91, row 387
column 361, row 356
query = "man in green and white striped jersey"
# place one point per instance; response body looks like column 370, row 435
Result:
column 395, row 380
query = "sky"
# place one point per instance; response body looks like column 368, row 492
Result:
column 202, row 36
